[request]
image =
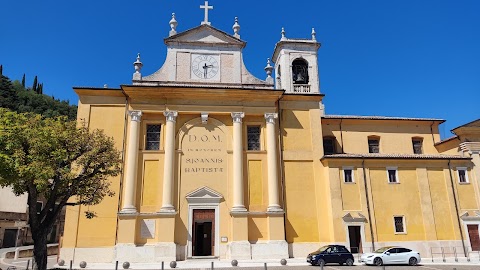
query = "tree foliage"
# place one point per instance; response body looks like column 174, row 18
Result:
column 16, row 97
column 54, row 159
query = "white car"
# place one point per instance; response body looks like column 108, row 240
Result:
column 391, row 255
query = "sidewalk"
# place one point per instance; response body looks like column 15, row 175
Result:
column 217, row 263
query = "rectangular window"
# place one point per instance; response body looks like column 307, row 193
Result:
column 462, row 175
column 153, row 137
column 348, row 174
column 253, row 138
column 392, row 174
column 399, row 224
column 329, row 145
column 373, row 145
column 417, row 146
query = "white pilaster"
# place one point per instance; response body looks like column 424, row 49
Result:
column 238, row 204
column 167, row 201
column 131, row 165
column 273, row 196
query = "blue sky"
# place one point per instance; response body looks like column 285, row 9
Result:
column 395, row 58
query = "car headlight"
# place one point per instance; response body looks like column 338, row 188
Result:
column 370, row 256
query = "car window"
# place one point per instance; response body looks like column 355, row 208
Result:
column 343, row 250
column 328, row 250
column 403, row 250
column 381, row 250
column 323, row 248
column 392, row 250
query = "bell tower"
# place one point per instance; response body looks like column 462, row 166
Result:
column 296, row 65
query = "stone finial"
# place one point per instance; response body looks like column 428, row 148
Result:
column 138, row 67
column 204, row 116
column 173, row 25
column 236, row 28
column 283, row 34
column 269, row 70
column 314, row 35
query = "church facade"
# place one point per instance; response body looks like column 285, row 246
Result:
column 219, row 163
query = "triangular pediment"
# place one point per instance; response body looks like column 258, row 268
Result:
column 205, row 34
column 204, row 195
column 348, row 217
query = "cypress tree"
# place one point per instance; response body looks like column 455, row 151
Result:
column 23, row 80
column 34, row 87
column 1, row 70
column 40, row 89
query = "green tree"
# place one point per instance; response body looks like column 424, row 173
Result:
column 54, row 159
column 1, row 69
column 23, row 80
column 34, row 86
column 8, row 95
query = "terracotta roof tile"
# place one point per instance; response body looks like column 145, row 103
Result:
column 395, row 156
column 374, row 117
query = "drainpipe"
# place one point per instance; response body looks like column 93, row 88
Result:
column 456, row 208
column 341, row 136
column 368, row 204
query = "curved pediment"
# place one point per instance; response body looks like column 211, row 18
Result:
column 204, row 195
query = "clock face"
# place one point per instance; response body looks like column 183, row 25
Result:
column 205, row 67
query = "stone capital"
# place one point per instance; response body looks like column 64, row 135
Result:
column 270, row 117
column 171, row 115
column 237, row 116
column 135, row 115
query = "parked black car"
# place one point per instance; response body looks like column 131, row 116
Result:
column 331, row 254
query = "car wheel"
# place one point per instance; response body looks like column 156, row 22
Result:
column 349, row 262
column 321, row 262
column 412, row 261
column 378, row 261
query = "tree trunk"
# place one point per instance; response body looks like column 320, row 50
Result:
column 40, row 250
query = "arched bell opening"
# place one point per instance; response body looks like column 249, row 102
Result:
column 300, row 71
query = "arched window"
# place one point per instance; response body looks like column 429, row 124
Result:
column 300, row 71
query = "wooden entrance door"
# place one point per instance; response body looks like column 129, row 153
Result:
column 474, row 237
column 203, row 238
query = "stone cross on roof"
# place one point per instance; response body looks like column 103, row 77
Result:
column 206, row 7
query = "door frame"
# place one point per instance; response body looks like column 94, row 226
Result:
column 362, row 234
column 469, row 222
column 203, row 206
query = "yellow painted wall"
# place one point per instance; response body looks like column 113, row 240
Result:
column 101, row 230
column 152, row 188
column 395, row 136
column 257, row 228
column 255, row 188
column 350, row 192
column 296, row 125
column 466, row 192
column 301, row 204
column 441, row 204
column 390, row 200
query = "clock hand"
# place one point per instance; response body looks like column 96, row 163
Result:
column 205, row 69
